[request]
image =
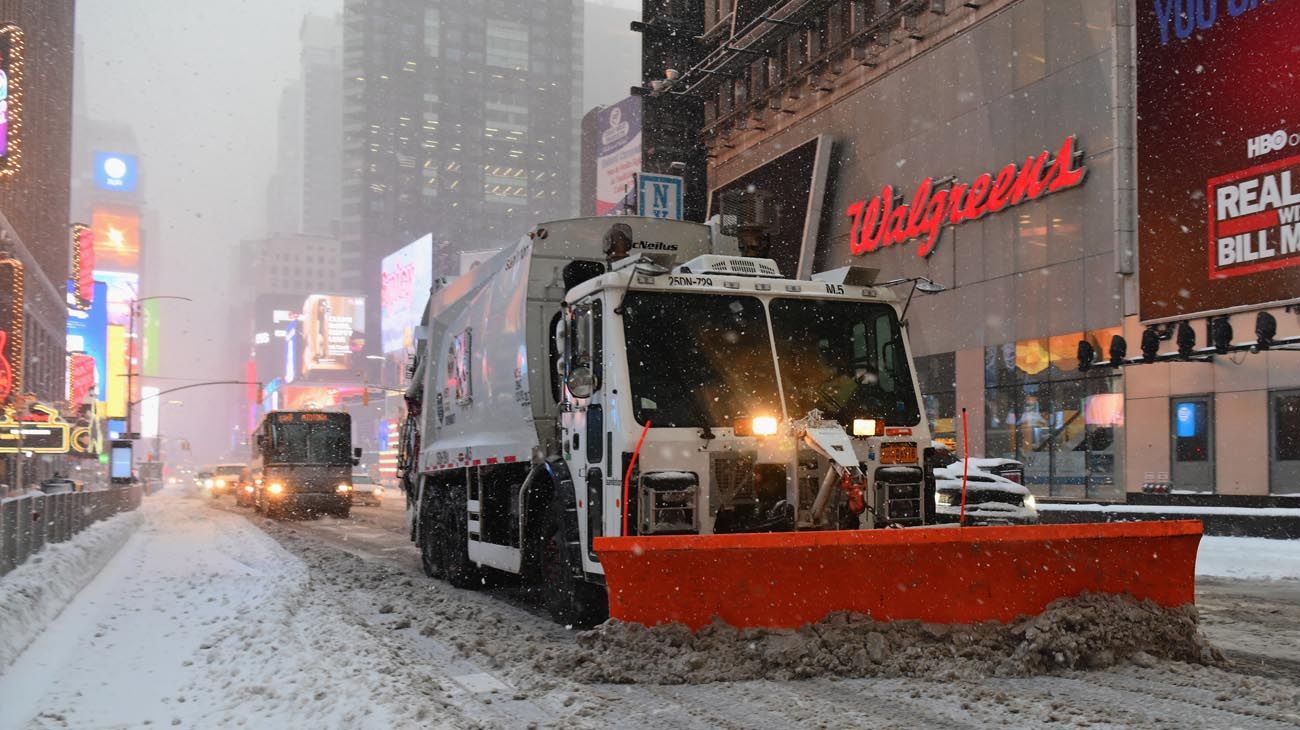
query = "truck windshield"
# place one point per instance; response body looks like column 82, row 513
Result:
column 845, row 359
column 326, row 442
column 697, row 359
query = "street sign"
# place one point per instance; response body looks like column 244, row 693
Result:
column 659, row 196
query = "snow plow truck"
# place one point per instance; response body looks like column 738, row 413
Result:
column 684, row 434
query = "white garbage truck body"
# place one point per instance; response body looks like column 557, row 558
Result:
column 681, row 391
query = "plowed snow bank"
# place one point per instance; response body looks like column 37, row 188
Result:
column 1091, row 631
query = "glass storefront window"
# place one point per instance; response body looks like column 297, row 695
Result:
column 1065, row 426
column 937, row 376
column 1284, row 477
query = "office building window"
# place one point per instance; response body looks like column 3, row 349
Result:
column 507, row 44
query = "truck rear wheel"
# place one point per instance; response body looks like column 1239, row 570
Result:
column 431, row 543
column 460, row 571
column 570, row 600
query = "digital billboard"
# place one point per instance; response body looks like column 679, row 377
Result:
column 115, row 387
column 618, row 154
column 121, row 289
column 1218, row 157
column 305, row 398
column 115, row 171
column 150, row 337
column 88, row 333
column 12, row 47
column 406, row 278
column 333, row 329
column 117, row 240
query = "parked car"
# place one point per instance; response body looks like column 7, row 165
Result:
column 991, row 499
column 365, row 490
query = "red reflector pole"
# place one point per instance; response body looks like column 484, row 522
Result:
column 926, row 573
column 965, row 465
column 627, row 478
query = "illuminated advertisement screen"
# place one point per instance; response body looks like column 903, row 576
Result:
column 88, row 333
column 115, row 171
column 150, row 330
column 115, row 387
column 81, row 377
column 316, row 398
column 406, row 277
column 1218, row 139
column 11, row 96
column 83, row 264
column 292, row 350
column 121, row 289
column 333, row 329
column 117, row 240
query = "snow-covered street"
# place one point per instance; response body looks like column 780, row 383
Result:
column 212, row 617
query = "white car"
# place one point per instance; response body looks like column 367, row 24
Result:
column 366, row 490
column 990, row 499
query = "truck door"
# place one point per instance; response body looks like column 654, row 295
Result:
column 583, row 428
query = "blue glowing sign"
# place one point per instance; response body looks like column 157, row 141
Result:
column 115, row 171
column 1185, row 418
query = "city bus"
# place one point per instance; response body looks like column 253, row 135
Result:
column 303, row 461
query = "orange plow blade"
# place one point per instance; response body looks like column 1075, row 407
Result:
column 933, row 574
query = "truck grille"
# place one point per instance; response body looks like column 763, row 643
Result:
column 731, row 479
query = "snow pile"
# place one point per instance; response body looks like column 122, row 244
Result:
column 1088, row 632
column 1248, row 558
column 36, row 592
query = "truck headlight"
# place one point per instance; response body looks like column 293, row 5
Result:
column 764, row 426
column 275, row 488
column 344, row 488
column 864, row 427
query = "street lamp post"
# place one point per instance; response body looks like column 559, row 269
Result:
column 131, row 350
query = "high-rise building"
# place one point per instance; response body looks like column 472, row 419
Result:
column 461, row 119
column 304, row 191
column 36, row 58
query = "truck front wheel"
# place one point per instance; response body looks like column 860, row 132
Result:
column 570, row 600
column 431, row 543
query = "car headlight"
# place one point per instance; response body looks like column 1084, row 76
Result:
column 379, row 491
column 344, row 488
column 946, row 499
column 221, row 482
column 1030, row 502
column 248, row 488
column 275, row 488
column 207, row 483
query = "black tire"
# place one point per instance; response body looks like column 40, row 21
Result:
column 459, row 570
column 431, row 545
column 570, row 600
column 345, row 513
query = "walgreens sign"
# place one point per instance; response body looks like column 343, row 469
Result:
column 885, row 220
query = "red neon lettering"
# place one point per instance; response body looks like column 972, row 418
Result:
column 976, row 205
column 1067, row 176
column 1001, row 187
column 878, row 222
column 920, row 200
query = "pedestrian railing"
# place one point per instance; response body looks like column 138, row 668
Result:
column 27, row 523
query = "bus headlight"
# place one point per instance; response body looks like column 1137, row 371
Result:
column 764, row 426
column 275, row 488
column 344, row 488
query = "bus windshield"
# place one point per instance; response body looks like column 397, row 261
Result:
column 324, row 441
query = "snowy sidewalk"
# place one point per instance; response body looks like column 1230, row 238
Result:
column 200, row 620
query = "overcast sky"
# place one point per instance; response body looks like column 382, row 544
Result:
column 199, row 82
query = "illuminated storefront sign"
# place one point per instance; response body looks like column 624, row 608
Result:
column 117, row 240
column 39, row 432
column 115, row 171
column 81, row 377
column 11, row 99
column 882, row 221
